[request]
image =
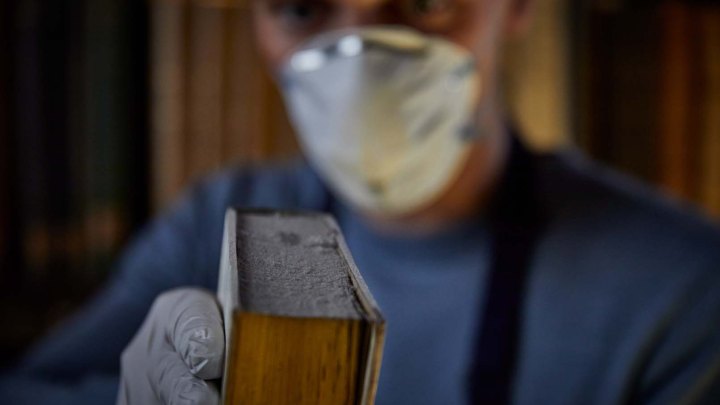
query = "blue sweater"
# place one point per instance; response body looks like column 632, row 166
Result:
column 622, row 302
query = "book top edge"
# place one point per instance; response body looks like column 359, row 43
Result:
column 366, row 320
column 296, row 264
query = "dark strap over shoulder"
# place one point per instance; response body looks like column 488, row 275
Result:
column 516, row 223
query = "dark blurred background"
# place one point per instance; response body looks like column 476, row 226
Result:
column 109, row 108
column 73, row 153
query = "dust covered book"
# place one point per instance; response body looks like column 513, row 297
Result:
column 300, row 324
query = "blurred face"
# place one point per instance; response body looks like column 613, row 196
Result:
column 476, row 25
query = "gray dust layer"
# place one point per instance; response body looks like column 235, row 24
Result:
column 291, row 265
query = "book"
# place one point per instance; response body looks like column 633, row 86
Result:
column 675, row 84
column 206, row 83
column 618, row 85
column 246, row 95
column 709, row 17
column 170, row 23
column 690, row 135
column 300, row 324
column 110, row 167
column 5, row 157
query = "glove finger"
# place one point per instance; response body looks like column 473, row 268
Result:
column 176, row 385
column 138, row 360
column 123, row 391
column 197, row 332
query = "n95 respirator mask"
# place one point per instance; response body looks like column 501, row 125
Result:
column 385, row 115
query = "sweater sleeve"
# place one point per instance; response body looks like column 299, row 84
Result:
column 685, row 368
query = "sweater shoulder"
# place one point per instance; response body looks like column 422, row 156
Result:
column 609, row 211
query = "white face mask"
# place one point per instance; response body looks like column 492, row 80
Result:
column 384, row 114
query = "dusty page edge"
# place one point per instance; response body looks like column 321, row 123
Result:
column 375, row 320
column 374, row 362
column 227, row 289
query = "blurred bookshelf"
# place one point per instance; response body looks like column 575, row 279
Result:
column 647, row 92
column 73, row 155
column 212, row 102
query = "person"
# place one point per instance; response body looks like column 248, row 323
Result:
column 505, row 276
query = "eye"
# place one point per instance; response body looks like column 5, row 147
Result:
column 424, row 7
column 298, row 15
column 430, row 15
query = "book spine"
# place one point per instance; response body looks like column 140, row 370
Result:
column 206, row 87
column 710, row 27
column 75, row 59
column 7, row 192
column 246, row 92
column 111, row 131
column 30, row 127
column 619, row 91
column 169, row 59
column 675, row 101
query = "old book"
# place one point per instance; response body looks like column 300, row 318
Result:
column 709, row 17
column 690, row 129
column 168, row 99
column 300, row 324
column 256, row 126
column 675, row 102
column 246, row 118
column 109, row 166
column 206, row 81
column 619, row 91
column 6, row 159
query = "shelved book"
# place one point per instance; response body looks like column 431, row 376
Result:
column 301, row 326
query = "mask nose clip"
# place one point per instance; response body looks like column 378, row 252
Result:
column 351, row 45
column 315, row 56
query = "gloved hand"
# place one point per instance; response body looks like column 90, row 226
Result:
column 180, row 344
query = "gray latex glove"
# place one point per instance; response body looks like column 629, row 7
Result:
column 180, row 344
